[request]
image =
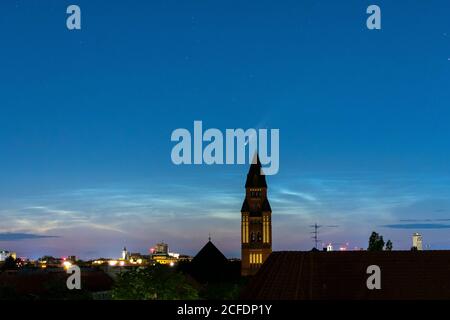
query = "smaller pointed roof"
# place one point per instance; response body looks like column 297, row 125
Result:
column 209, row 254
column 209, row 265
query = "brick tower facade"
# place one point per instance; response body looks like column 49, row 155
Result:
column 256, row 222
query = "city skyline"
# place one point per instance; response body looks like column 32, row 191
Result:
column 86, row 118
column 25, row 243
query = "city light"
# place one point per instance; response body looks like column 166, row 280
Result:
column 112, row 263
column 67, row 264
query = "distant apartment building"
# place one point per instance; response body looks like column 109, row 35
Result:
column 161, row 248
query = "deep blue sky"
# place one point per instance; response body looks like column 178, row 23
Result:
column 86, row 118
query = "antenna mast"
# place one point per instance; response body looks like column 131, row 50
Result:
column 315, row 233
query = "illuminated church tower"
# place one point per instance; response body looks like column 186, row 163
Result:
column 256, row 222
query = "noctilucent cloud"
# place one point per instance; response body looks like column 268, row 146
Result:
column 86, row 118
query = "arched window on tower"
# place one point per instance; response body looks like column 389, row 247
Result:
column 259, row 237
column 252, row 237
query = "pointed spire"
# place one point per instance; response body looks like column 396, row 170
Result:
column 254, row 177
column 209, row 237
column 255, row 159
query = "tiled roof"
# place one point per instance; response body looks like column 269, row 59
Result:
column 342, row 275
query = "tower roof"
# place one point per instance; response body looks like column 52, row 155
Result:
column 254, row 177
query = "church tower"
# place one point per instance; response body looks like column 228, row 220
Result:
column 256, row 222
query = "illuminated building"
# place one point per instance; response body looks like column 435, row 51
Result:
column 417, row 241
column 256, row 222
column 66, row 264
column 164, row 259
column 125, row 254
column 5, row 254
column 137, row 258
column 184, row 257
column 175, row 255
column 99, row 261
column 51, row 262
column 161, row 248
column 113, row 263
column 160, row 254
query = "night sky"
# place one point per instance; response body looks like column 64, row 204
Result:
column 86, row 118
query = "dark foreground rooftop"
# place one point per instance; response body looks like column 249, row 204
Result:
column 342, row 275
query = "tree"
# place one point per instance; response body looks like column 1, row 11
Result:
column 388, row 245
column 153, row 283
column 376, row 242
column 9, row 264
